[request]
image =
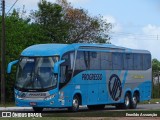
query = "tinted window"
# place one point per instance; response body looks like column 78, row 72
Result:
column 106, row 60
column 138, row 65
column 128, row 61
column 95, row 60
column 146, row 61
column 117, row 61
column 82, row 60
column 69, row 59
column 66, row 68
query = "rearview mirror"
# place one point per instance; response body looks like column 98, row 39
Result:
column 9, row 68
column 56, row 66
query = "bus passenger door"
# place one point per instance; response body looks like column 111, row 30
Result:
column 66, row 70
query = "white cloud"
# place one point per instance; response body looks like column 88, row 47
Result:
column 128, row 41
column 146, row 40
column 151, row 29
column 116, row 27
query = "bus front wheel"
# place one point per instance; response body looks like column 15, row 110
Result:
column 38, row 109
column 75, row 104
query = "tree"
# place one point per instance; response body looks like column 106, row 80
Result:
column 61, row 23
column 83, row 27
column 156, row 77
column 155, row 66
column 51, row 23
column 49, row 18
column 19, row 35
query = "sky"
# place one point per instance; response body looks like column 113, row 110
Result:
column 136, row 23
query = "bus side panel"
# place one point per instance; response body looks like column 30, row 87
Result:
column 145, row 90
column 110, row 89
column 90, row 84
column 130, row 81
column 140, row 81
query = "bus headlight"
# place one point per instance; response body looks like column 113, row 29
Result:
column 49, row 97
column 18, row 97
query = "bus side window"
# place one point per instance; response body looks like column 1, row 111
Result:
column 128, row 61
column 95, row 58
column 138, row 61
column 146, row 61
column 117, row 61
column 66, row 68
column 106, row 61
column 81, row 62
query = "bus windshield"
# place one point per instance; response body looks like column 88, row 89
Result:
column 36, row 73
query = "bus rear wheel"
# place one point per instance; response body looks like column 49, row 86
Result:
column 75, row 104
column 134, row 101
column 38, row 109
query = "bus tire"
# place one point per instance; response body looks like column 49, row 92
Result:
column 127, row 101
column 38, row 109
column 75, row 104
column 134, row 101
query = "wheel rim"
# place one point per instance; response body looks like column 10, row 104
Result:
column 127, row 100
column 134, row 100
column 75, row 103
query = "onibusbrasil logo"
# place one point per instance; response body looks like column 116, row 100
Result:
column 115, row 87
column 18, row 114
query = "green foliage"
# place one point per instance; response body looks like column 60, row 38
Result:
column 155, row 66
column 61, row 23
column 19, row 35
column 83, row 27
column 51, row 23
column 49, row 18
column 156, row 82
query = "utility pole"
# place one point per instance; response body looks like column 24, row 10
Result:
column 3, row 55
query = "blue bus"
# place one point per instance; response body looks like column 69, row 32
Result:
column 70, row 75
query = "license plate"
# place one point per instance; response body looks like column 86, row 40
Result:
column 33, row 103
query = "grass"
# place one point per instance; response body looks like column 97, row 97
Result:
column 61, row 118
column 152, row 101
column 43, row 118
column 8, row 104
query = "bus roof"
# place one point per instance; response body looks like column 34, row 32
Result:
column 59, row 49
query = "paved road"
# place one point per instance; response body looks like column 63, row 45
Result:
column 84, row 108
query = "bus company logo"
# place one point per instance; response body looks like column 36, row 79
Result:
column 115, row 87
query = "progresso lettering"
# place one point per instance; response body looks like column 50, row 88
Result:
column 91, row 76
column 37, row 94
